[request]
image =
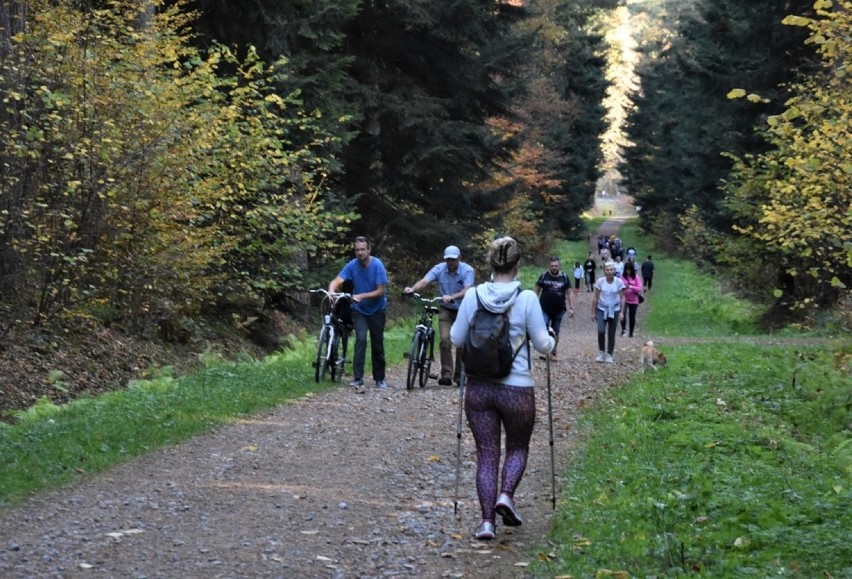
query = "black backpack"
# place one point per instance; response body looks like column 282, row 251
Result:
column 487, row 350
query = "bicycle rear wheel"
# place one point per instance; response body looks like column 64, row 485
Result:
column 414, row 359
column 321, row 364
column 426, row 353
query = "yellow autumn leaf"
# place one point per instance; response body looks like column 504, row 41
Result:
column 434, row 458
column 736, row 93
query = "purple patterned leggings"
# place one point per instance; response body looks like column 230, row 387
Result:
column 489, row 406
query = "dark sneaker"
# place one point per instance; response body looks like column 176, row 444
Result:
column 357, row 382
column 485, row 531
column 444, row 381
column 505, row 507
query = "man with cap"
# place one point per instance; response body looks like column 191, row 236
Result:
column 454, row 277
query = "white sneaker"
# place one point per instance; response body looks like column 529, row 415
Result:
column 609, row 359
column 599, row 357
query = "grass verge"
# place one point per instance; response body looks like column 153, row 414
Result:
column 51, row 445
column 734, row 461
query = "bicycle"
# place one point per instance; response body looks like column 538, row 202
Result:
column 422, row 352
column 333, row 341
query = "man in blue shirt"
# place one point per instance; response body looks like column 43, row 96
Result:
column 454, row 277
column 369, row 278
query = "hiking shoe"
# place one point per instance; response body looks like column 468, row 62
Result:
column 357, row 382
column 505, row 507
column 622, row 333
column 600, row 357
column 609, row 359
column 381, row 385
column 444, row 381
column 485, row 531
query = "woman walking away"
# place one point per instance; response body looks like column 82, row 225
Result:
column 632, row 295
column 507, row 403
column 607, row 302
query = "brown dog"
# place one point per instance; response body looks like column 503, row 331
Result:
column 652, row 356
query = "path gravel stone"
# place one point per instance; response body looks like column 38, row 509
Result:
column 341, row 484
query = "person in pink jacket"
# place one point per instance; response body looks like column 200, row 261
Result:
column 632, row 294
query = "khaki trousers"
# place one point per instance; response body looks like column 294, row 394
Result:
column 445, row 322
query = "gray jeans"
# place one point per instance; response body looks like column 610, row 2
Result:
column 606, row 327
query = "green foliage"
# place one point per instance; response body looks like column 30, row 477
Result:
column 138, row 173
column 428, row 77
column 792, row 202
column 555, row 167
column 682, row 121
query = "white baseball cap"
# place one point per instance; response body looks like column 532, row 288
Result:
column 452, row 252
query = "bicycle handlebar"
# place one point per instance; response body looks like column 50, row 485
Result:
column 334, row 296
column 417, row 296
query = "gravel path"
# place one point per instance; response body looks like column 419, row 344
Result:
column 340, row 484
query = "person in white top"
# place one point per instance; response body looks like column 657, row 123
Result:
column 508, row 403
column 607, row 305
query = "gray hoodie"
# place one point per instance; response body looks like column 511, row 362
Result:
column 525, row 318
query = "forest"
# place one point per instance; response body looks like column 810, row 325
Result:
column 165, row 161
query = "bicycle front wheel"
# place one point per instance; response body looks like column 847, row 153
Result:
column 335, row 361
column 321, row 364
column 426, row 355
column 414, row 359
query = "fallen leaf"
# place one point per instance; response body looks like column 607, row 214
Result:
column 434, row 458
column 522, row 564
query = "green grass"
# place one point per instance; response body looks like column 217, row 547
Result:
column 50, row 445
column 687, row 303
column 735, row 461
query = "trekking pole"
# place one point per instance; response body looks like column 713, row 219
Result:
column 550, row 421
column 462, row 380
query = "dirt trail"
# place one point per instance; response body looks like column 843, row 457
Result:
column 340, row 484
